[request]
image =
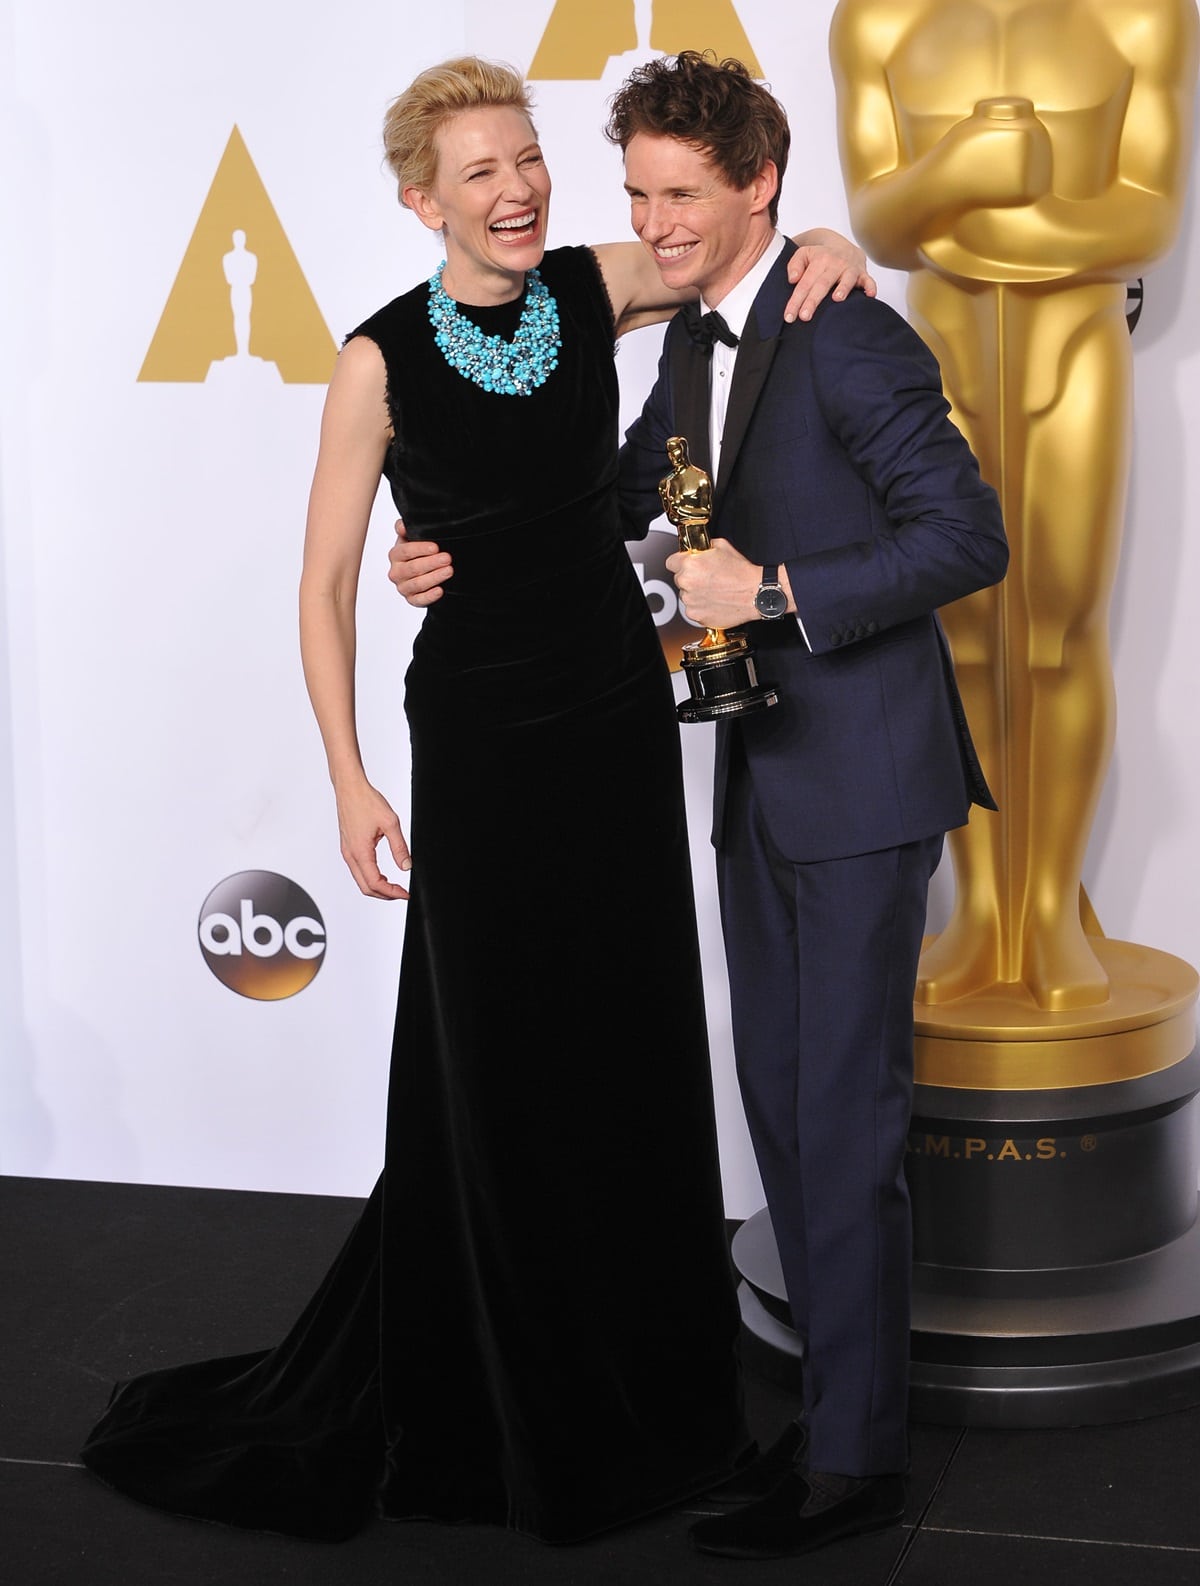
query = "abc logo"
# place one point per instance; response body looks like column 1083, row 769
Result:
column 649, row 558
column 261, row 935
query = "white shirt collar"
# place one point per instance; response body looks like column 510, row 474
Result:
column 736, row 304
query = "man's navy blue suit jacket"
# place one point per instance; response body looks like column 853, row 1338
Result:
column 840, row 461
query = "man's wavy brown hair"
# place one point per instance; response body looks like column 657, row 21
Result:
column 716, row 106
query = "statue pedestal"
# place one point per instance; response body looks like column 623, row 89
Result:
column 1053, row 1171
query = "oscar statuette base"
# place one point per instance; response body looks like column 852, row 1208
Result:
column 722, row 679
column 1056, row 1278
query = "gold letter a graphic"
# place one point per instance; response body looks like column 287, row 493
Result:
column 582, row 35
column 225, row 288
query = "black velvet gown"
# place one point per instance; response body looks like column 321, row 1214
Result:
column 533, row 1322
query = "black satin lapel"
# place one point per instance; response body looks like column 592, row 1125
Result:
column 690, row 371
column 755, row 355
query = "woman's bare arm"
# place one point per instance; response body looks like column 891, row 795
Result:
column 354, row 438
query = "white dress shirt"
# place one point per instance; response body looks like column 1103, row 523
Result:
column 735, row 311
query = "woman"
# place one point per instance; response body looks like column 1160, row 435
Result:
column 532, row 1324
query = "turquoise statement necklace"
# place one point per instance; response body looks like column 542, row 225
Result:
column 510, row 368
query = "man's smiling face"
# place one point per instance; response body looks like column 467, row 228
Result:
column 701, row 233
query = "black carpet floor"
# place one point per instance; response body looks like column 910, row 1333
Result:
column 102, row 1280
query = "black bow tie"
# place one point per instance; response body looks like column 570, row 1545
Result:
column 704, row 329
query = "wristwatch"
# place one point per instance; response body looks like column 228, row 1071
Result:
column 771, row 600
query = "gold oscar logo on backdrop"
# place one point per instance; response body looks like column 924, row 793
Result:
column 240, row 306
column 582, row 36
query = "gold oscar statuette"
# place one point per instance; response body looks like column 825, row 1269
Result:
column 1023, row 161
column 722, row 677
column 1022, row 183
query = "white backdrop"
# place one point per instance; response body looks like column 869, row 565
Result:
column 154, row 733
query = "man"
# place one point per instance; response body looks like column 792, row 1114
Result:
column 847, row 508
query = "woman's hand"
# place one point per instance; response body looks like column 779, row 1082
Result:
column 365, row 819
column 825, row 263
column 417, row 568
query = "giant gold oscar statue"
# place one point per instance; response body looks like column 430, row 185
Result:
column 1023, row 161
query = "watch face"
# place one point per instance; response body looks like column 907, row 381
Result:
column 770, row 601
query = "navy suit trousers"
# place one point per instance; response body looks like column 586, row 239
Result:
column 822, row 968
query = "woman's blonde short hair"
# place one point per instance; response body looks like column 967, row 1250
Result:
column 431, row 99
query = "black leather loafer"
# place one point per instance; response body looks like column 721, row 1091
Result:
column 801, row 1514
column 763, row 1474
